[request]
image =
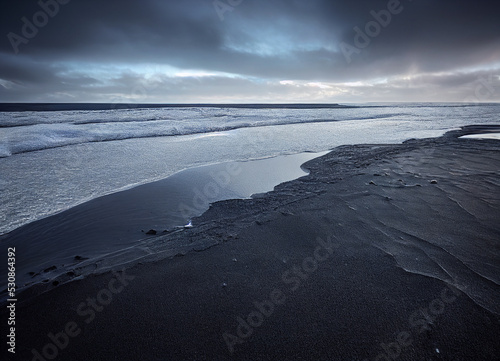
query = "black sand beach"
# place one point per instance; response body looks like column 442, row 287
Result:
column 383, row 252
column 111, row 229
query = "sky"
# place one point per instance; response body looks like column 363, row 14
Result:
column 249, row 51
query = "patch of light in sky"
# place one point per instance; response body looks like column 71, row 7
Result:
column 203, row 73
column 494, row 66
column 273, row 47
column 6, row 84
column 147, row 71
column 105, row 71
column 318, row 85
column 262, row 41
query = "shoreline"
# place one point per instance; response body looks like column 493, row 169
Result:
column 123, row 222
column 41, row 183
column 346, row 257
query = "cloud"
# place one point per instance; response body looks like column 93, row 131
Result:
column 259, row 44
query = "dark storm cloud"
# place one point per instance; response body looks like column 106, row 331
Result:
column 82, row 27
column 262, row 41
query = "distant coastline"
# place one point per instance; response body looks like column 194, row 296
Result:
column 39, row 107
column 48, row 107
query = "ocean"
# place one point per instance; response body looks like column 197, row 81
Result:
column 56, row 157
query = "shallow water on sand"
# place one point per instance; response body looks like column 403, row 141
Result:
column 120, row 220
column 482, row 136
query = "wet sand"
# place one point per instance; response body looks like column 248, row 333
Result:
column 116, row 228
column 383, row 252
